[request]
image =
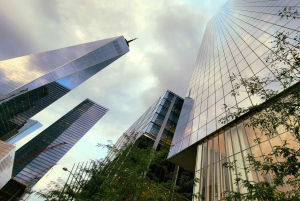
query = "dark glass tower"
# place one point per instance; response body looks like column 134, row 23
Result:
column 155, row 128
column 28, row 84
column 237, row 41
column 35, row 158
column 158, row 123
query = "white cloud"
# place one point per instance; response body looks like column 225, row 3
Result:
column 169, row 35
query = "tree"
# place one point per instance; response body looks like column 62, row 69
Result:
column 280, row 111
column 131, row 175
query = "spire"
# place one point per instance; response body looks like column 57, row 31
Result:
column 128, row 41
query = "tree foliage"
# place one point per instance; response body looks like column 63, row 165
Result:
column 280, row 112
column 131, row 175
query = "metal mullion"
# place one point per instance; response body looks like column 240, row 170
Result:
column 257, row 57
column 228, row 157
column 257, row 40
column 255, row 27
column 213, row 170
column 234, row 158
column 248, row 11
column 203, row 186
column 199, row 168
column 226, row 66
column 243, row 59
column 242, row 151
column 266, row 21
column 214, row 105
column 220, row 47
column 215, row 90
column 164, row 124
column 220, row 169
column 207, row 172
column 246, row 135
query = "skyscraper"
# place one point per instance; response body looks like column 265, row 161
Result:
column 35, row 158
column 28, row 128
column 28, row 84
column 155, row 128
column 236, row 41
column 158, row 123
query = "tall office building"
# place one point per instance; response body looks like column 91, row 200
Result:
column 236, row 41
column 28, row 84
column 156, row 128
column 158, row 123
column 39, row 155
column 29, row 127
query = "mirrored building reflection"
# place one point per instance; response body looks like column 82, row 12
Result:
column 39, row 155
column 237, row 40
column 29, row 127
column 30, row 83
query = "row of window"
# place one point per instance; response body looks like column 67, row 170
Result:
column 234, row 42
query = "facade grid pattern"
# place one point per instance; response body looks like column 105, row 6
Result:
column 52, row 75
column 62, row 135
column 236, row 41
column 155, row 128
column 149, row 124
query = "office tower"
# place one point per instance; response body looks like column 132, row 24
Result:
column 7, row 154
column 28, row 128
column 236, row 41
column 155, row 128
column 35, row 158
column 30, row 83
column 158, row 123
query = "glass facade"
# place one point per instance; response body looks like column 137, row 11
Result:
column 155, row 128
column 28, row 128
column 158, row 123
column 35, row 158
column 15, row 112
column 237, row 41
column 28, row 84
column 233, row 143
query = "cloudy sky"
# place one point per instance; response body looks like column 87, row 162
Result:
column 169, row 36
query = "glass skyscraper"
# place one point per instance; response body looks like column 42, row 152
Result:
column 28, row 84
column 158, row 123
column 39, row 155
column 237, row 40
column 156, row 128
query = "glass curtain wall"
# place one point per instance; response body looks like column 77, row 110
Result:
column 161, row 114
column 237, row 40
column 230, row 144
column 52, row 75
column 150, row 123
column 34, row 159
